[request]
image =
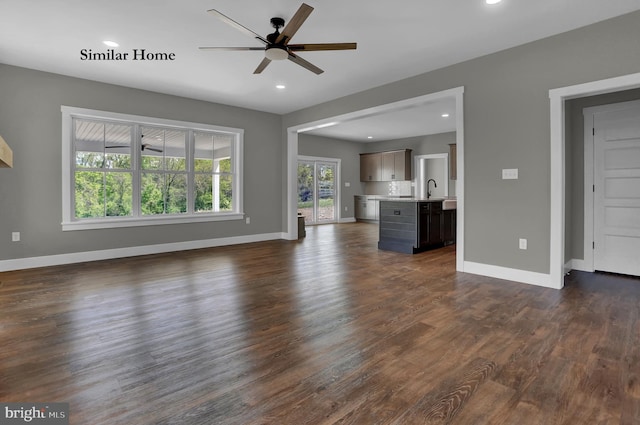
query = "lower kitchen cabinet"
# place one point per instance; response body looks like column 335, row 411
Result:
column 414, row 226
column 449, row 226
column 366, row 208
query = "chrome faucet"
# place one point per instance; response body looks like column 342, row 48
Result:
column 434, row 185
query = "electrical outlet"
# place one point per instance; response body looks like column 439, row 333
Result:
column 15, row 236
column 523, row 244
column 247, row 220
column 346, row 208
column 509, row 174
column 347, row 184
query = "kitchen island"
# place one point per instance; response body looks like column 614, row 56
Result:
column 412, row 225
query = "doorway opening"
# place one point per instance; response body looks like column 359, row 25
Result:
column 557, row 98
column 611, row 180
column 318, row 184
column 432, row 167
column 457, row 93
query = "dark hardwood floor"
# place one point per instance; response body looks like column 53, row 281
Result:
column 326, row 330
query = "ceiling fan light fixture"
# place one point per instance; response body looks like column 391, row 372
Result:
column 493, row 1
column 276, row 53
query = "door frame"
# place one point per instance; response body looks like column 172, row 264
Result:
column 419, row 171
column 589, row 176
column 292, row 157
column 557, row 97
column 336, row 184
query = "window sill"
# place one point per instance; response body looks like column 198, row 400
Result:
column 112, row 223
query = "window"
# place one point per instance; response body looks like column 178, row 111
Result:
column 121, row 170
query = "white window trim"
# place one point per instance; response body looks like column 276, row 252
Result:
column 70, row 223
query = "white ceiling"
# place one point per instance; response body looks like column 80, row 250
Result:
column 394, row 42
column 397, row 123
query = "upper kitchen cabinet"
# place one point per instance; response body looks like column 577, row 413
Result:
column 370, row 167
column 385, row 166
column 396, row 165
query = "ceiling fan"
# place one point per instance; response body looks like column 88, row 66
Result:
column 277, row 45
column 143, row 146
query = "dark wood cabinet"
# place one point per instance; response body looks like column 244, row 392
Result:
column 412, row 226
column 449, row 226
column 370, row 167
column 385, row 166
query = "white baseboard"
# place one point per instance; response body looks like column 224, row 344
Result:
column 568, row 266
column 108, row 254
column 516, row 275
column 347, row 220
column 581, row 265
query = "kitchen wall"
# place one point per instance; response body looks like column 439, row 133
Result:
column 30, row 193
column 507, row 125
column 420, row 145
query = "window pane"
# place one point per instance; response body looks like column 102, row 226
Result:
column 102, row 144
column 203, row 155
column 203, row 193
column 176, row 193
column 117, row 145
column 163, row 193
column 222, row 154
column 306, row 178
column 89, row 194
column 89, row 143
column 152, row 148
column 175, row 150
column 163, row 149
column 118, row 194
column 222, row 193
column 152, row 193
column 89, row 160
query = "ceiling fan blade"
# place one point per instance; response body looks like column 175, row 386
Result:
column 309, row 47
column 231, row 48
column 262, row 66
column 294, row 23
column 305, row 64
column 237, row 25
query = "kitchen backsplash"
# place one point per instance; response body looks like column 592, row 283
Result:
column 394, row 188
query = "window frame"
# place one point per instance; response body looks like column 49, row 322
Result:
column 70, row 222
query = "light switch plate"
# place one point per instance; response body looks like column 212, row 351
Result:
column 509, row 174
column 522, row 243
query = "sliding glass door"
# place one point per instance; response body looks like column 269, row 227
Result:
column 317, row 184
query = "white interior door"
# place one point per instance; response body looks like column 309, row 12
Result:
column 617, row 190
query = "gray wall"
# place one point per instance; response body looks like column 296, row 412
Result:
column 421, row 145
column 30, row 193
column 506, row 123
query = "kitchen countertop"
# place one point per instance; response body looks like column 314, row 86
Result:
column 412, row 199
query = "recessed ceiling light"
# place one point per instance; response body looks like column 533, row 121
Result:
column 111, row 43
column 369, row 137
column 281, row 86
column 493, row 1
column 445, row 115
